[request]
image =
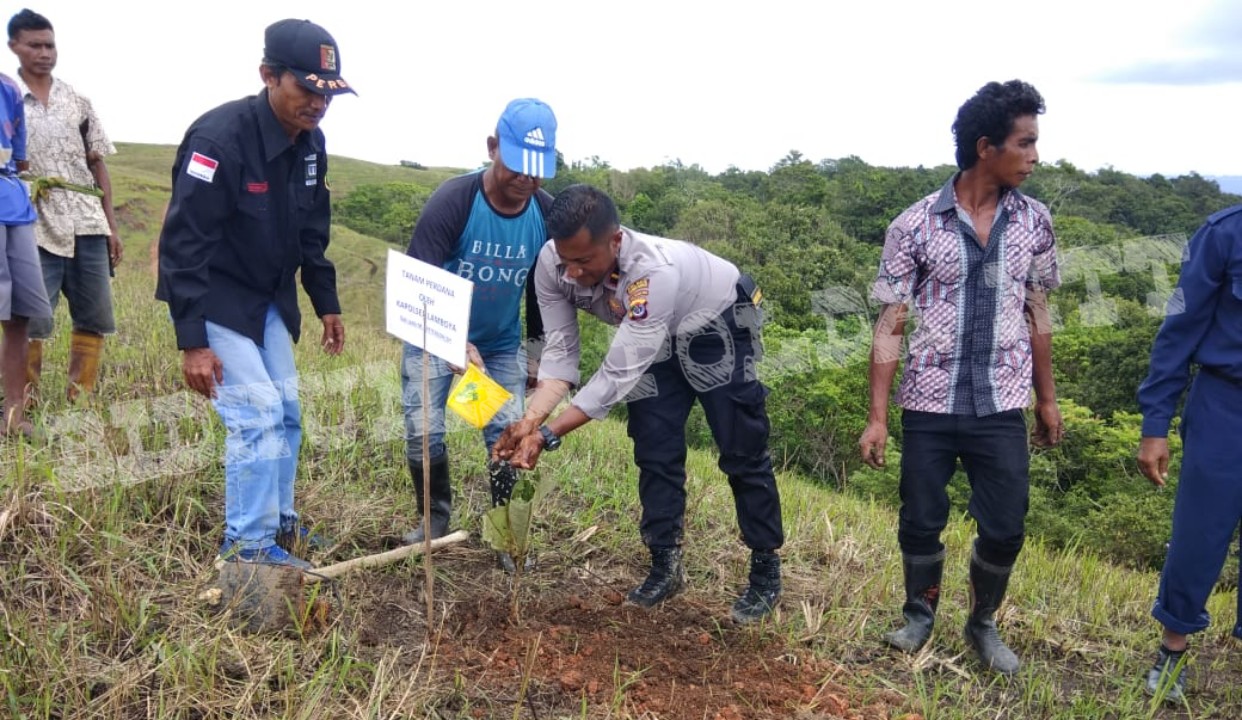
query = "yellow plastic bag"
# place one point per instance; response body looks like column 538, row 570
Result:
column 476, row 397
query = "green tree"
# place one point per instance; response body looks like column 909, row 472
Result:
column 386, row 211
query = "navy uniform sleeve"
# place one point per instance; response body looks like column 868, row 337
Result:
column 534, row 318
column 318, row 272
column 204, row 196
column 443, row 220
column 1188, row 317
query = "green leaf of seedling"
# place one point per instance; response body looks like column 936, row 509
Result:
column 496, row 530
column 507, row 528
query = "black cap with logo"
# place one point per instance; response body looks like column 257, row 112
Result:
column 309, row 52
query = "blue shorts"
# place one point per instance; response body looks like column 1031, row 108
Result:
column 21, row 280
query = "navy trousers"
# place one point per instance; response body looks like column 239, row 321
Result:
column 1208, row 506
column 993, row 451
column 716, row 366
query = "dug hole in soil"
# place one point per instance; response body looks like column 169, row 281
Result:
column 577, row 642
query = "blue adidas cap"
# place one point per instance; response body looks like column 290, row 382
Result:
column 527, row 135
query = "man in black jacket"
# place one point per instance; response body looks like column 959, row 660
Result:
column 249, row 209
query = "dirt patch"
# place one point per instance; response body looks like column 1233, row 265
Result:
column 134, row 215
column 579, row 646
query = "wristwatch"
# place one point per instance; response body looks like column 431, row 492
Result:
column 550, row 440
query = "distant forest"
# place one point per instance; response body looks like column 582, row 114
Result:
column 811, row 234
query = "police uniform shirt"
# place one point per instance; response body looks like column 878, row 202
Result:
column 661, row 287
column 249, row 209
column 1203, row 324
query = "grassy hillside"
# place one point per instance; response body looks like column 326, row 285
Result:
column 108, row 530
column 153, row 163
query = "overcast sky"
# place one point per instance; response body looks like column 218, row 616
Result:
column 1142, row 86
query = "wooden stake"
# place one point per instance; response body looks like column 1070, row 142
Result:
column 430, row 576
column 385, row 558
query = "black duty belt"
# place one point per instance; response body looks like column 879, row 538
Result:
column 1220, row 374
column 748, row 291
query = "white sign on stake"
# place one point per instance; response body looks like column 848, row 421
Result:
column 414, row 285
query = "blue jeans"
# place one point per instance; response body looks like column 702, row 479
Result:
column 507, row 368
column 86, row 283
column 258, row 404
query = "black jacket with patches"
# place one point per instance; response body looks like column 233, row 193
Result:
column 249, row 209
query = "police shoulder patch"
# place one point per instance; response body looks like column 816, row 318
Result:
column 637, row 290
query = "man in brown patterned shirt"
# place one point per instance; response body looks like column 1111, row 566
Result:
column 76, row 232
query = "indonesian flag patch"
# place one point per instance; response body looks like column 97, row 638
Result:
column 202, row 167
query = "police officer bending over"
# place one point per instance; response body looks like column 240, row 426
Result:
column 688, row 328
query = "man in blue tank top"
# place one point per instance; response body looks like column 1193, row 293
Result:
column 487, row 227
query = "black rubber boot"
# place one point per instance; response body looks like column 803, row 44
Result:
column 665, row 580
column 441, row 499
column 987, row 590
column 1167, row 678
column 501, row 477
column 922, row 577
column 761, row 596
